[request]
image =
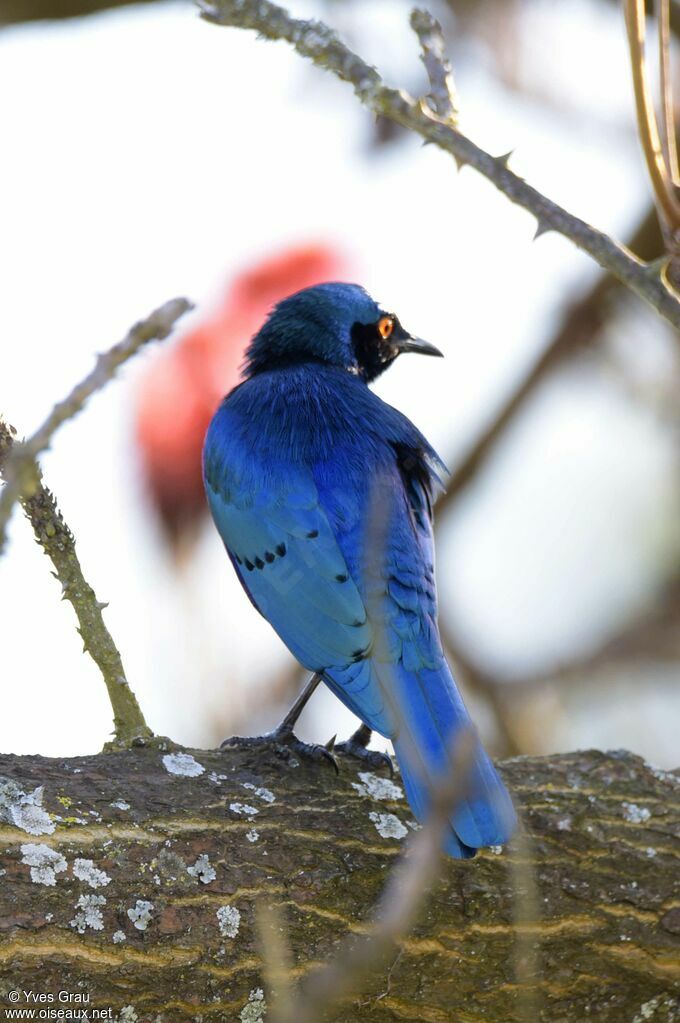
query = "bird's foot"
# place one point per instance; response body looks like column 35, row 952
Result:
column 357, row 746
column 284, row 743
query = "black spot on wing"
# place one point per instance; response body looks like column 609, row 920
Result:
column 361, row 654
column 259, row 562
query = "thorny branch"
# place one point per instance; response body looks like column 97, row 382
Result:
column 57, row 541
column 22, row 476
column 317, row 42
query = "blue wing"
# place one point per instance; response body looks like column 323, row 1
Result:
column 290, row 563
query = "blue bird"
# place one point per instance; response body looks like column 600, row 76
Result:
column 322, row 494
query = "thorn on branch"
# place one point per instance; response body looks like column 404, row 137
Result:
column 542, row 227
column 655, row 268
column 504, row 159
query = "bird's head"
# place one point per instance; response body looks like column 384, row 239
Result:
column 337, row 324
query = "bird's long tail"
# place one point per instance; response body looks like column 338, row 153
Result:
column 430, row 712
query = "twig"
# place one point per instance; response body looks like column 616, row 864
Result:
column 314, row 40
column 399, row 904
column 668, row 138
column 665, row 195
column 276, row 958
column 21, row 473
column 442, row 88
column 526, row 920
column 57, row 541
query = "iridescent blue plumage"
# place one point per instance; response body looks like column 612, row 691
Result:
column 322, row 495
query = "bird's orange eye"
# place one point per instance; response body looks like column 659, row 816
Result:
column 385, row 327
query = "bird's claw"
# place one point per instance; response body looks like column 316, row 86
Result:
column 372, row 758
column 284, row 743
column 356, row 746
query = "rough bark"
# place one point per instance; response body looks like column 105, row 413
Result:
column 154, row 941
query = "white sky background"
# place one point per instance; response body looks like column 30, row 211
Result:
column 147, row 155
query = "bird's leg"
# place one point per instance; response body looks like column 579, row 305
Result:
column 283, row 739
column 357, row 746
column 291, row 718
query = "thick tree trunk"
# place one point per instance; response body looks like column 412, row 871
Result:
column 127, row 883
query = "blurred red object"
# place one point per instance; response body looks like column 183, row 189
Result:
column 185, row 383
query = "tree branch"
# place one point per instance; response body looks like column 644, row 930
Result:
column 314, row 40
column 22, row 476
column 142, row 889
column 58, row 543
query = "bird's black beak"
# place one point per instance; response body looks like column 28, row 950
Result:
column 416, row 344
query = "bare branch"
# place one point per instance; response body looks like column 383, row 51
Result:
column 57, row 541
column 314, row 40
column 21, row 473
column 442, row 88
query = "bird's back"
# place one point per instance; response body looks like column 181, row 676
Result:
column 316, row 438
